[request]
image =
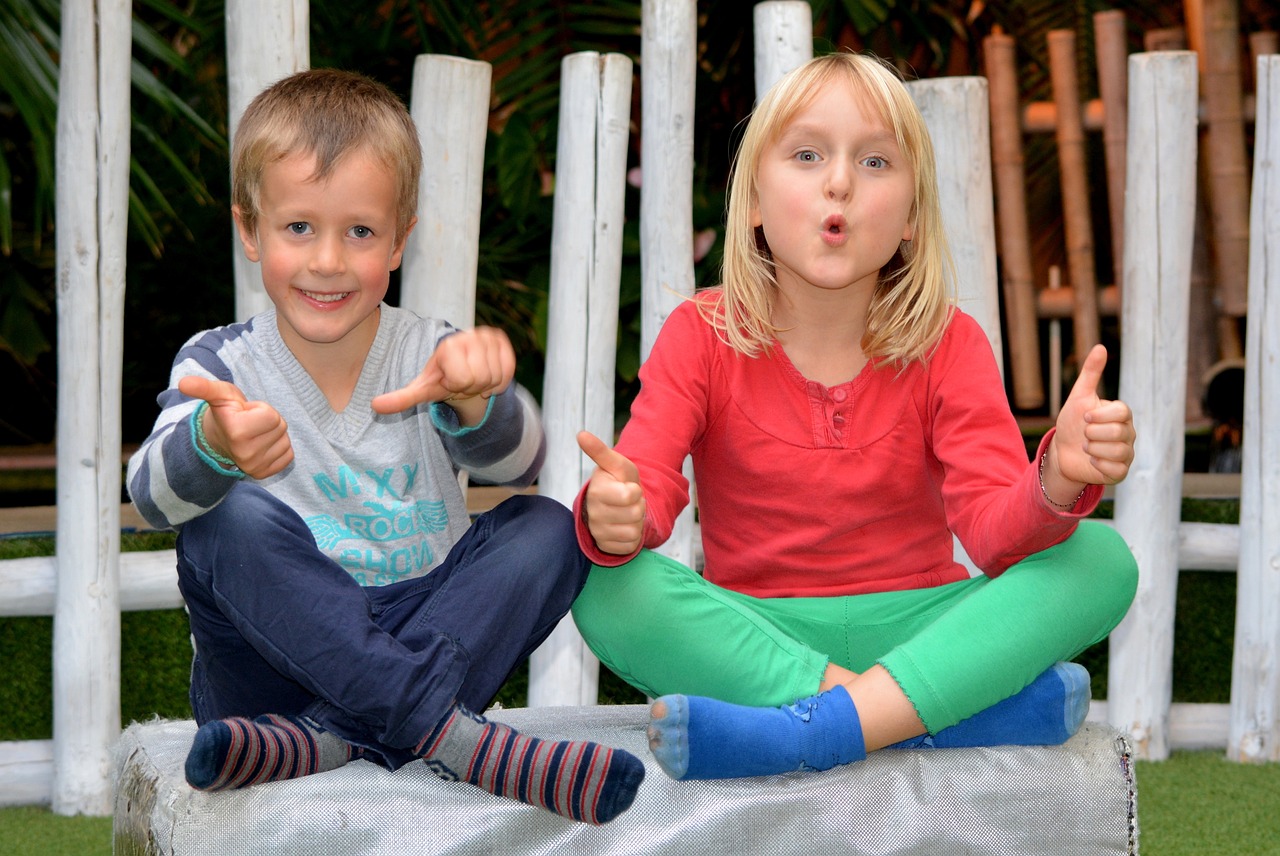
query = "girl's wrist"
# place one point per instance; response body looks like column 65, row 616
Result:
column 1044, row 489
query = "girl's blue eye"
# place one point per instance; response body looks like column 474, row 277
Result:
column 807, row 157
column 874, row 162
column 361, row 232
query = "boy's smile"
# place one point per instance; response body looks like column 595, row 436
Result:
column 327, row 248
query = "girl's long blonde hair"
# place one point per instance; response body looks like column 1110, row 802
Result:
column 911, row 305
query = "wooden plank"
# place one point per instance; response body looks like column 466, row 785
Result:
column 267, row 40
column 1157, row 275
column 450, row 106
column 582, row 323
column 1255, row 680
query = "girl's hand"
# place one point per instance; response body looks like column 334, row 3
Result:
column 251, row 433
column 465, row 370
column 614, row 502
column 1094, row 440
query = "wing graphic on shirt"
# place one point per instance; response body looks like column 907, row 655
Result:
column 386, row 523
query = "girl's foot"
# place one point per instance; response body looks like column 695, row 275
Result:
column 693, row 737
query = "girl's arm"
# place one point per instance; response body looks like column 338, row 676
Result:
column 991, row 491
column 668, row 417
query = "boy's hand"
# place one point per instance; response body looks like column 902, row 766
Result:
column 465, row 370
column 614, row 502
column 251, row 433
column 1094, row 440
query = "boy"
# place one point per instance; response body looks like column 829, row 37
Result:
column 340, row 604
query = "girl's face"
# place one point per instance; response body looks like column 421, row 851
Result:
column 834, row 195
column 327, row 248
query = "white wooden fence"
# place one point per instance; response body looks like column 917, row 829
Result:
column 87, row 584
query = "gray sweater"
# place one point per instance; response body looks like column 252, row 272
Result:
column 379, row 492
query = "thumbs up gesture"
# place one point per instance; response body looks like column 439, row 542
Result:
column 614, row 500
column 251, row 433
column 1094, row 440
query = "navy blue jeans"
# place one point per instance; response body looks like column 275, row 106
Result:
column 281, row 628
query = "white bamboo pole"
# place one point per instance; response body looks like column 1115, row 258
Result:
column 92, row 204
column 582, row 324
column 450, row 106
column 266, row 41
column 1255, row 681
column 956, row 110
column 783, row 39
column 669, row 30
column 1160, row 177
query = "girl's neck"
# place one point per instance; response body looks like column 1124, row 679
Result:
column 822, row 334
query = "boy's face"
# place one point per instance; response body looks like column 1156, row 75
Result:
column 327, row 248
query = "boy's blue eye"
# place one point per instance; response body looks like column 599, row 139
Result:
column 299, row 228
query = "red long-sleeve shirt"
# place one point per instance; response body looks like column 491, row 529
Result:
column 807, row 490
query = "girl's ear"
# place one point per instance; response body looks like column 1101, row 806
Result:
column 909, row 230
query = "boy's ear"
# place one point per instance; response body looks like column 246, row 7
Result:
column 248, row 239
column 397, row 253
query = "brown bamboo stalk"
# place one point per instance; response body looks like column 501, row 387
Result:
column 1113, row 85
column 1263, row 43
column 1218, row 41
column 1009, row 178
column 1075, row 190
column 1165, row 39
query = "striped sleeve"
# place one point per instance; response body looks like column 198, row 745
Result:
column 506, row 448
column 168, row 481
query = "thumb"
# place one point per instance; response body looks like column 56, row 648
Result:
column 612, row 462
column 216, row 392
column 1090, row 373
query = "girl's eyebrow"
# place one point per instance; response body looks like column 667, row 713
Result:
column 881, row 136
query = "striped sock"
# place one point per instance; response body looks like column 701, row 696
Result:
column 577, row 779
column 238, row 752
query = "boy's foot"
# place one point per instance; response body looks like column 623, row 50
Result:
column 693, row 737
column 577, row 779
column 238, row 752
column 1046, row 713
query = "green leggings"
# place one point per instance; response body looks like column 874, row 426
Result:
column 955, row 649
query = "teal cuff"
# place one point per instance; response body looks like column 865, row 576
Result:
column 445, row 418
column 219, row 463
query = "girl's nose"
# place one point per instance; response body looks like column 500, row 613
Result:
column 839, row 183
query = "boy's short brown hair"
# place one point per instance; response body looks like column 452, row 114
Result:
column 328, row 113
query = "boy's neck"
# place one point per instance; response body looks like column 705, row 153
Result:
column 335, row 367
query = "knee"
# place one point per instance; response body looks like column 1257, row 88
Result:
column 1107, row 559
column 621, row 600
column 248, row 514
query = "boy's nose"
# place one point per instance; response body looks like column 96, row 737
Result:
column 327, row 258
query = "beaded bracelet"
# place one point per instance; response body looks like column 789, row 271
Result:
column 207, row 453
column 1045, row 493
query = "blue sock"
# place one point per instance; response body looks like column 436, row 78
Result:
column 1046, row 713
column 702, row 738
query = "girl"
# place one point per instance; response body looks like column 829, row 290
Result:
column 844, row 420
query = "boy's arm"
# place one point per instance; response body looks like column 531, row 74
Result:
column 171, row 479
column 507, row 447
